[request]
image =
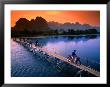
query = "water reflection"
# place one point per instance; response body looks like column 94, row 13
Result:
column 66, row 38
column 24, row 63
column 88, row 47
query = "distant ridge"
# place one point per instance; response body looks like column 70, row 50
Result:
column 66, row 26
column 39, row 26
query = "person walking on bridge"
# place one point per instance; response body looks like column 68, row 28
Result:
column 36, row 43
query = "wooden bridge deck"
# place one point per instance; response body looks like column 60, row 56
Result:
column 82, row 67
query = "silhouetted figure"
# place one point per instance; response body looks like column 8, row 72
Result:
column 36, row 43
column 74, row 54
column 30, row 43
column 75, row 58
column 78, row 60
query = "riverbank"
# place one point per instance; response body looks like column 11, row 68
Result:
column 42, row 36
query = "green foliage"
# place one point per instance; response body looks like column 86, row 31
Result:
column 15, row 33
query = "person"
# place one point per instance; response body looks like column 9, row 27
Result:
column 78, row 60
column 36, row 43
column 75, row 57
column 30, row 43
column 74, row 54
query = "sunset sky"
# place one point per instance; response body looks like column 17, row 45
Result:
column 83, row 17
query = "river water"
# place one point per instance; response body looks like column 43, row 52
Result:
column 25, row 64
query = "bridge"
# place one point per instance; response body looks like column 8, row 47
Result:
column 82, row 67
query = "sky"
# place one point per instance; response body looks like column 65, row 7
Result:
column 83, row 17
